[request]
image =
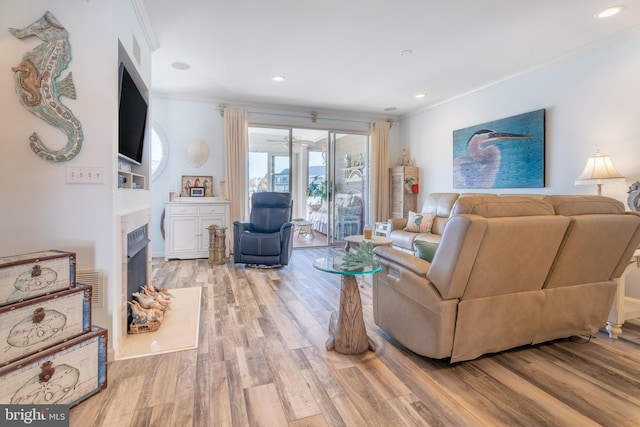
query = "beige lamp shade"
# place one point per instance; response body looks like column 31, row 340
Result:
column 599, row 170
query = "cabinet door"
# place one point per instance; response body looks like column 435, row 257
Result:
column 183, row 231
column 397, row 192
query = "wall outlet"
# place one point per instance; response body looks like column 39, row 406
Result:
column 84, row 175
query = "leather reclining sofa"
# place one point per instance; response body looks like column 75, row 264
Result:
column 437, row 204
column 508, row 271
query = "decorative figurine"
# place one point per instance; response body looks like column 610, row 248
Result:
column 633, row 200
column 404, row 158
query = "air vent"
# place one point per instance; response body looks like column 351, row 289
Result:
column 95, row 279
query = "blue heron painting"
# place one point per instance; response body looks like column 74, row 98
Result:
column 505, row 153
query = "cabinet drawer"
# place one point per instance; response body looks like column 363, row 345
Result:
column 184, row 210
column 209, row 209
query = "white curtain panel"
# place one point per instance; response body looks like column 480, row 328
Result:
column 380, row 171
column 236, row 136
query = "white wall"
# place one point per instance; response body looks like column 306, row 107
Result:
column 39, row 210
column 591, row 103
column 182, row 122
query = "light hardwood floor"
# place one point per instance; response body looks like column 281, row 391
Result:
column 261, row 360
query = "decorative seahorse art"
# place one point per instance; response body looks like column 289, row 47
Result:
column 38, row 87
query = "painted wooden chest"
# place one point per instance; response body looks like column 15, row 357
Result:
column 35, row 274
column 67, row 373
column 30, row 326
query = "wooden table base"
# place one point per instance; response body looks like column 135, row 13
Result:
column 347, row 332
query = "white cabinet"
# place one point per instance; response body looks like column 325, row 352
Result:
column 403, row 188
column 186, row 225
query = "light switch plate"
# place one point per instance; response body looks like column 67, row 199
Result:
column 84, row 175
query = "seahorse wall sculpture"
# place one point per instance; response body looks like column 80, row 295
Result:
column 38, row 87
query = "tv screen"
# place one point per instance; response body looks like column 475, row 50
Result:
column 132, row 119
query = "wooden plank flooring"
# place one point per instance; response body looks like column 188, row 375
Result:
column 261, row 361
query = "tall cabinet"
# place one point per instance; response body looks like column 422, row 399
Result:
column 403, row 187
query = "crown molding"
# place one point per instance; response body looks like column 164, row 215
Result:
column 147, row 29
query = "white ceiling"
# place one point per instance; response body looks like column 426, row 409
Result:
column 345, row 54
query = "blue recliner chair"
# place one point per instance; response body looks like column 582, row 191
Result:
column 267, row 238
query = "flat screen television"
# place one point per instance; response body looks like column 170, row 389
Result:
column 132, row 119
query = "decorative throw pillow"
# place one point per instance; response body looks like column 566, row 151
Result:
column 419, row 223
column 426, row 250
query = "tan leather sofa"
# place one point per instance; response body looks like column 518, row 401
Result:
column 509, row 271
column 437, row 204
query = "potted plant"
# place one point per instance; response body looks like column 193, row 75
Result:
column 317, row 190
column 408, row 183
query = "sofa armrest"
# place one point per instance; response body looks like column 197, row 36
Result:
column 396, row 224
column 240, row 226
column 408, row 261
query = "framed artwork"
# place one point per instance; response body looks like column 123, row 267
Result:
column 505, row 153
column 204, row 182
column 196, row 191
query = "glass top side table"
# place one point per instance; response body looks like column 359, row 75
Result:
column 347, row 331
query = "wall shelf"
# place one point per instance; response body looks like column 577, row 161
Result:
column 131, row 180
column 353, row 173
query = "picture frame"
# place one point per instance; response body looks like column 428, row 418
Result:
column 504, row 153
column 198, row 181
column 196, row 191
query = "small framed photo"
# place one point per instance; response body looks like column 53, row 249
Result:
column 196, row 191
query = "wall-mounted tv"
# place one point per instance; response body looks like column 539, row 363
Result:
column 132, row 119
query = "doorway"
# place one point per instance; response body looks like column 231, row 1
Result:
column 326, row 173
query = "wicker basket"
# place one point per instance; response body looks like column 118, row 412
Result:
column 140, row 328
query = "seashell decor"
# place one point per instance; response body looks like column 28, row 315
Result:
column 148, row 309
column 197, row 152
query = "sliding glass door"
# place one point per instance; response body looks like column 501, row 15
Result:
column 326, row 173
column 350, row 198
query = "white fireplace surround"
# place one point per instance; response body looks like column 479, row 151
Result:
column 128, row 222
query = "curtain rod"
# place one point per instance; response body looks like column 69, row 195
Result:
column 313, row 115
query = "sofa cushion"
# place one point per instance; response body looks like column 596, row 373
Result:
column 585, row 205
column 426, row 250
column 505, row 206
column 419, row 223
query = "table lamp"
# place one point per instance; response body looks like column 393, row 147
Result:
column 599, row 169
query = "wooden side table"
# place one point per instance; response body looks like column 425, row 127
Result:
column 623, row 307
column 217, row 245
column 347, row 331
column 303, row 227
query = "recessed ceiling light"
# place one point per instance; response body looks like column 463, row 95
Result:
column 613, row 10
column 406, row 52
column 277, row 78
column 181, row 65
column 420, row 95
column 390, row 109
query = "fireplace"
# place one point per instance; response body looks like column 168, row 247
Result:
column 137, row 245
column 134, row 234
column 180, row 328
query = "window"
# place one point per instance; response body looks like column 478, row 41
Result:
column 159, row 152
